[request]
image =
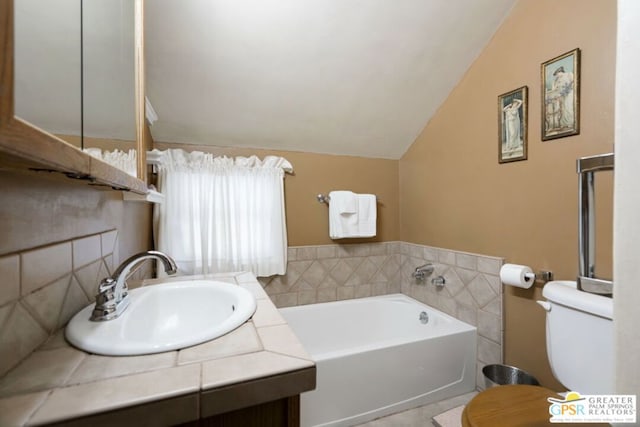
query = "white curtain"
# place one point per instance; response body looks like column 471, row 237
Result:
column 222, row 214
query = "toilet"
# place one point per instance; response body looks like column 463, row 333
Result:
column 579, row 331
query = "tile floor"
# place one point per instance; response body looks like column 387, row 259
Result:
column 421, row 416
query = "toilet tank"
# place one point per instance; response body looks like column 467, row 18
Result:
column 580, row 342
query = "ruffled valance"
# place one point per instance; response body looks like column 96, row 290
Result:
column 178, row 158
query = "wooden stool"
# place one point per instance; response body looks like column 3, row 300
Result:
column 512, row 406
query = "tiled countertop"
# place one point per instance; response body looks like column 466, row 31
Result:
column 61, row 383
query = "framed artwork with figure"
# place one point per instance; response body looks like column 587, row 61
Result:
column 512, row 125
column 561, row 96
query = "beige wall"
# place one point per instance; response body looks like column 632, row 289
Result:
column 307, row 220
column 453, row 192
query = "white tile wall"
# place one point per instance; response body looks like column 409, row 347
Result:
column 40, row 267
column 42, row 288
column 334, row 272
column 87, row 250
column 10, row 276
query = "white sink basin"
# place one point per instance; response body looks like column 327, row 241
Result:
column 165, row 317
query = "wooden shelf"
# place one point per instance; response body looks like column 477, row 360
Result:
column 24, row 147
column 151, row 197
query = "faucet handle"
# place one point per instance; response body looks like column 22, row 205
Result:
column 109, row 302
column 106, row 291
column 106, row 285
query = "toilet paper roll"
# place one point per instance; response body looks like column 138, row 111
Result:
column 520, row 276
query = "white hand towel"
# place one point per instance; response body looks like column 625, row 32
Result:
column 345, row 202
column 352, row 218
column 367, row 215
column 343, row 216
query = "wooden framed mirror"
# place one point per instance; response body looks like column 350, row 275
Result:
column 28, row 145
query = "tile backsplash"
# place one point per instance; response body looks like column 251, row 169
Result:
column 472, row 291
column 336, row 272
column 42, row 288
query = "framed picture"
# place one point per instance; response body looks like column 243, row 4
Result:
column 561, row 96
column 512, row 125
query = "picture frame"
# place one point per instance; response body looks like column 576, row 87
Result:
column 560, row 78
column 512, row 125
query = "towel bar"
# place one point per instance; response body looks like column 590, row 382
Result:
column 321, row 198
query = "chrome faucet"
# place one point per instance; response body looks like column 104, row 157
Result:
column 420, row 273
column 113, row 296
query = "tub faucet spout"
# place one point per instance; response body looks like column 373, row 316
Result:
column 113, row 297
column 420, row 273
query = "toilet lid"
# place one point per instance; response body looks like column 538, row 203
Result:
column 511, row 406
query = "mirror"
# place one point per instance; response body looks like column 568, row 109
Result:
column 75, row 66
column 47, row 89
column 108, row 86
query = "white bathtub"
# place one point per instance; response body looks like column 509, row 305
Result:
column 375, row 357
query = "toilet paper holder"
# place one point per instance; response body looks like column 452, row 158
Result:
column 541, row 276
column 523, row 276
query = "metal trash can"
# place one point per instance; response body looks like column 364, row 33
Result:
column 503, row 374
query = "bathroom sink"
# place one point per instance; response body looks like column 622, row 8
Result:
column 165, row 317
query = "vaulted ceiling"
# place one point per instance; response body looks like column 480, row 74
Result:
column 351, row 77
